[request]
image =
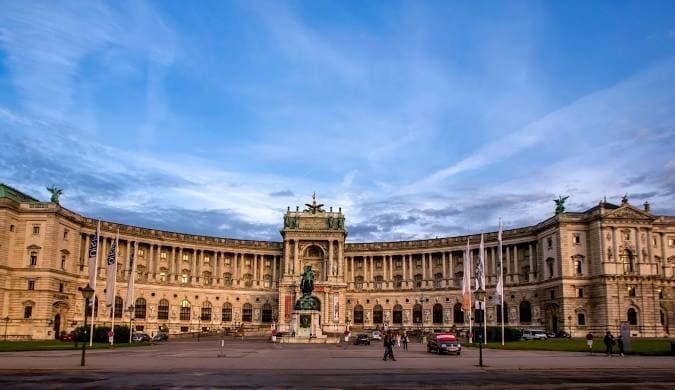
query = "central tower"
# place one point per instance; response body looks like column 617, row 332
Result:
column 314, row 237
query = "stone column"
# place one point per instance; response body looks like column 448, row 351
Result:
column 531, row 263
column 341, row 262
column 295, row 257
column 405, row 276
column 451, row 268
column 372, row 268
column 287, row 269
column 330, row 260
column 663, row 254
column 445, row 275
column 351, row 259
column 516, row 268
column 391, row 268
column 424, row 269
column 616, row 251
column 151, row 262
column 180, row 262
column 274, row 272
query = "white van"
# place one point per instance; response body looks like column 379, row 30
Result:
column 533, row 334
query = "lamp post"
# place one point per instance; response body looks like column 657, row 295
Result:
column 6, row 323
column 87, row 293
column 199, row 326
column 480, row 295
column 130, row 309
column 569, row 319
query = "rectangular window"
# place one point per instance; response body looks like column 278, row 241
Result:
column 186, row 257
column 581, row 319
column 63, row 261
column 398, row 264
column 31, row 285
column 268, row 264
column 60, row 287
column 65, row 234
column 378, row 264
column 228, row 261
column 207, row 260
column 418, row 263
column 439, row 262
column 184, row 278
column 626, row 236
column 671, row 242
column 580, row 293
column 162, row 255
column 141, row 252
column 549, row 242
column 247, row 262
column 33, row 259
column 11, row 228
column 162, row 276
column 184, row 329
column 576, row 238
column 28, row 312
column 552, row 294
column 36, row 230
column 631, row 291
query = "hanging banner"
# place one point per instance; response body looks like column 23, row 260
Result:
column 336, row 307
column 624, row 332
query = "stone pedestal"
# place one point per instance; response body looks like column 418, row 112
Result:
column 307, row 328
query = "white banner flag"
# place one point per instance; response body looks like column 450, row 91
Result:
column 480, row 266
column 499, row 293
column 466, row 287
column 132, row 272
column 111, row 275
column 92, row 260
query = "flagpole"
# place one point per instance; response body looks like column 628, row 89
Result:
column 501, row 275
column 483, row 286
column 93, row 301
column 112, row 326
column 468, row 258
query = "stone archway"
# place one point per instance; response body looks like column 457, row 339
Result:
column 59, row 316
column 551, row 315
column 314, row 255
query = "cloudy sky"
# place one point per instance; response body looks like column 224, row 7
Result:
column 419, row 119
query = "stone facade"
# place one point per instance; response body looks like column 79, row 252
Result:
column 574, row 272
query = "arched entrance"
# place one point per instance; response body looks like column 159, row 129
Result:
column 417, row 314
column 57, row 326
column 551, row 317
column 438, row 313
column 398, row 314
column 313, row 255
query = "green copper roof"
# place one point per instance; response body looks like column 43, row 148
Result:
column 16, row 195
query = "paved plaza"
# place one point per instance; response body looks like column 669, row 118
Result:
column 259, row 364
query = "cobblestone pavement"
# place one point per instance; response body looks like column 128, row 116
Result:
column 258, row 364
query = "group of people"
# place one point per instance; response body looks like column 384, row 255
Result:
column 609, row 342
column 390, row 339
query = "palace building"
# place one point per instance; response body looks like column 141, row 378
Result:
column 574, row 272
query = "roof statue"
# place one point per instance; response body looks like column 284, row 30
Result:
column 56, row 192
column 313, row 208
column 560, row 204
column 624, row 199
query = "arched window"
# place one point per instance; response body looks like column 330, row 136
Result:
column 632, row 317
column 457, row 314
column 267, row 281
column 227, row 312
column 140, row 308
column 418, row 280
column 162, row 274
column 206, row 311
column 185, row 276
column 397, row 314
column 526, row 273
column 550, row 267
column 206, row 278
column 185, row 310
column 525, row 311
column 227, row 279
column 163, row 310
column 358, row 314
column 267, row 313
column 438, row 313
column 119, row 307
column 247, row 313
column 398, row 281
column 438, row 280
column 417, row 313
column 377, row 315
column 628, row 260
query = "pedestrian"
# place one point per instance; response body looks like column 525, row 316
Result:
column 589, row 342
column 398, row 339
column 609, row 342
column 404, row 340
column 620, row 344
column 389, row 346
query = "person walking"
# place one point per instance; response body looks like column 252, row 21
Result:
column 619, row 342
column 404, row 340
column 398, row 339
column 609, row 342
column 589, row 342
column 389, row 346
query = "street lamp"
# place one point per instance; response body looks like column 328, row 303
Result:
column 87, row 293
column 130, row 309
column 480, row 295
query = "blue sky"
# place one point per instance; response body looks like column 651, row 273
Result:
column 420, row 119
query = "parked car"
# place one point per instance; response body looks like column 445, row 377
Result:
column 67, row 337
column 441, row 343
column 376, row 335
column 161, row 336
column 362, row 338
column 138, row 337
column 534, row 334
